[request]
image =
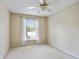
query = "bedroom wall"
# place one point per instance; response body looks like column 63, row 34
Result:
column 63, row 29
column 4, row 30
column 16, row 30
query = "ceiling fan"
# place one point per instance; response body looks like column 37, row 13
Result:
column 43, row 6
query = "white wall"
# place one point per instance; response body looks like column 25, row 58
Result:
column 4, row 31
column 63, row 29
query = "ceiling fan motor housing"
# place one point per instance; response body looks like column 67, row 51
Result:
column 44, row 5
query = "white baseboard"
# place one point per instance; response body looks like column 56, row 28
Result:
column 68, row 53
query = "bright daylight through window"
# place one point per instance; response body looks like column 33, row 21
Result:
column 31, row 29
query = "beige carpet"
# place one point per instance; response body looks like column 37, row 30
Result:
column 36, row 52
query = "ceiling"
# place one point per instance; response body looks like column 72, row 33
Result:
column 20, row 6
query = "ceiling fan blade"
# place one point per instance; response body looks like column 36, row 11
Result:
column 39, row 11
column 31, row 7
column 53, row 2
column 49, row 9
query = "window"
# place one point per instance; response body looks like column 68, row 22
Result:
column 31, row 29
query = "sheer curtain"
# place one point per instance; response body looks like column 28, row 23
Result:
column 30, row 29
